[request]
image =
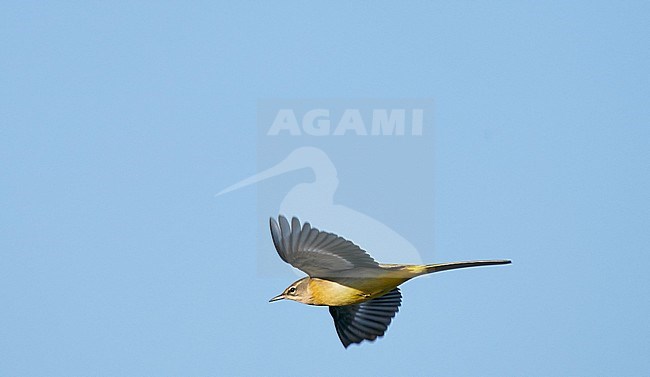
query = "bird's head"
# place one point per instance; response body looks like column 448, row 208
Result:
column 297, row 291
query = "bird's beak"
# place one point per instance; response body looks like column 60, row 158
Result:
column 278, row 297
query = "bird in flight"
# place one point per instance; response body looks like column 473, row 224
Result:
column 362, row 295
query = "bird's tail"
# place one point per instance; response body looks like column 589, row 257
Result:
column 431, row 268
column 409, row 271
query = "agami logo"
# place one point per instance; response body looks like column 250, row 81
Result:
column 372, row 188
column 359, row 122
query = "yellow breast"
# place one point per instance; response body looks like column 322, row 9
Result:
column 349, row 291
column 330, row 293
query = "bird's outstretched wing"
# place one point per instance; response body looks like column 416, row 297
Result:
column 365, row 321
column 317, row 253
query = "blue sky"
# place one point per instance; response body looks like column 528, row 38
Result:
column 120, row 121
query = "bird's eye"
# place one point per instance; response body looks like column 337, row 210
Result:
column 292, row 290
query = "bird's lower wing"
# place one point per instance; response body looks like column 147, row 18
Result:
column 365, row 321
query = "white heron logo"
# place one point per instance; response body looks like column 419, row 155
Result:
column 314, row 202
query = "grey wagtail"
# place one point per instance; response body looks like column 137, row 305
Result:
column 362, row 294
